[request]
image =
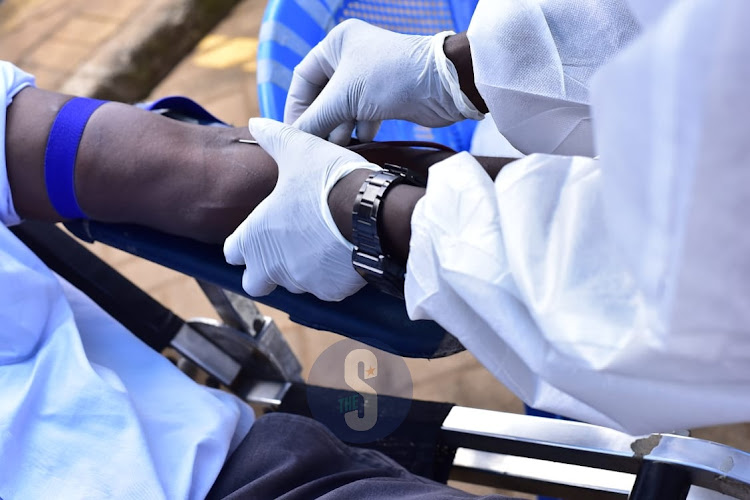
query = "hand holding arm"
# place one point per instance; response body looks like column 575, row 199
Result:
column 360, row 75
column 294, row 239
column 291, row 239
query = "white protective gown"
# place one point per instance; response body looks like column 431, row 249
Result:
column 612, row 290
column 86, row 409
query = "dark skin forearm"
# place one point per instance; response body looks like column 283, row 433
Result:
column 138, row 167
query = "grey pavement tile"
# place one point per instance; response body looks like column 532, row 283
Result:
column 112, row 9
column 148, row 275
column 736, row 436
column 184, row 297
column 60, row 55
column 87, row 30
column 46, row 78
column 19, row 39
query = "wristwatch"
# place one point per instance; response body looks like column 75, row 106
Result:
column 368, row 257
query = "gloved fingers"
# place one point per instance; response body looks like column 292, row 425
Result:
column 367, row 129
column 282, row 141
column 329, row 110
column 238, row 247
column 310, row 77
column 319, row 65
column 256, row 284
column 342, row 134
column 341, row 288
column 301, row 94
column 233, row 246
column 243, row 247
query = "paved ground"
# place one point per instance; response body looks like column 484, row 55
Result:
column 53, row 38
column 75, row 44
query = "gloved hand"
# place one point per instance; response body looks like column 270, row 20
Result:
column 361, row 74
column 290, row 239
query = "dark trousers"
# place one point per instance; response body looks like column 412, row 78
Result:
column 290, row 457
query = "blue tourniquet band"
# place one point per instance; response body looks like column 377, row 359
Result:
column 60, row 156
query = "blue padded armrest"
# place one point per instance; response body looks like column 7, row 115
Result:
column 368, row 316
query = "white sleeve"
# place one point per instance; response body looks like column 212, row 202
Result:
column 532, row 63
column 613, row 291
column 12, row 80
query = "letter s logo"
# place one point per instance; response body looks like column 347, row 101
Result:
column 369, row 395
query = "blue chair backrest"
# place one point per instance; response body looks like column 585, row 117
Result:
column 291, row 28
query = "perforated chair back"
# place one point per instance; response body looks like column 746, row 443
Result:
column 291, row 28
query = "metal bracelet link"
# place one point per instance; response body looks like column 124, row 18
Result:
column 368, row 257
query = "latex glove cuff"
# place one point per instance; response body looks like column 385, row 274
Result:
column 448, row 75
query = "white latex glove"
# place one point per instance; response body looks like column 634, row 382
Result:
column 361, row 74
column 290, row 239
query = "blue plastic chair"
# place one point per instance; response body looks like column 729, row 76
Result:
column 291, row 28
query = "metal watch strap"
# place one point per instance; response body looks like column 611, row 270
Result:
column 368, row 258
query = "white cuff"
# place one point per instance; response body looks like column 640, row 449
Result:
column 449, row 78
